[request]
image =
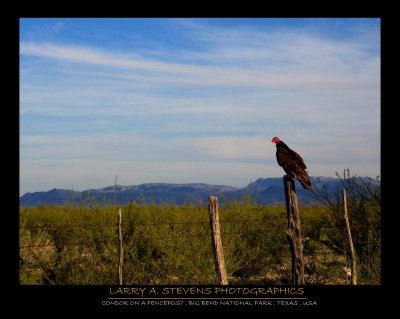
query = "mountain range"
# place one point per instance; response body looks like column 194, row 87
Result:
column 264, row 191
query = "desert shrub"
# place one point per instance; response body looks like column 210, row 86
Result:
column 364, row 210
column 37, row 256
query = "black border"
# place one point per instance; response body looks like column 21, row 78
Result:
column 64, row 299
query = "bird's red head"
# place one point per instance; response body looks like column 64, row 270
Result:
column 275, row 140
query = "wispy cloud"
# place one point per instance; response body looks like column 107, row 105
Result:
column 255, row 59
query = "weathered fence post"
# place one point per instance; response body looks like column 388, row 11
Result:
column 121, row 252
column 293, row 231
column 352, row 251
column 216, row 241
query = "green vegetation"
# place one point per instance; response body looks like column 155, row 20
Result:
column 364, row 207
column 172, row 245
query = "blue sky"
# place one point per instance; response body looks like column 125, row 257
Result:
column 195, row 100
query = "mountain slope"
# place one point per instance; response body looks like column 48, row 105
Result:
column 159, row 193
column 265, row 191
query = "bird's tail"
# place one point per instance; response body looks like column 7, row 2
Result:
column 306, row 183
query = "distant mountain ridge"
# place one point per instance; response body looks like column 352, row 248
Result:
column 264, row 191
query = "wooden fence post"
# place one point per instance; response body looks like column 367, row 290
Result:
column 121, row 252
column 216, row 241
column 352, row 251
column 293, row 231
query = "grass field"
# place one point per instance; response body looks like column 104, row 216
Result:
column 172, row 245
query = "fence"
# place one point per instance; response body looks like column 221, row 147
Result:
column 167, row 251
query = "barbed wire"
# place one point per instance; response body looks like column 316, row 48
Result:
column 87, row 243
column 239, row 221
column 132, row 239
column 137, row 224
column 185, row 257
column 132, row 225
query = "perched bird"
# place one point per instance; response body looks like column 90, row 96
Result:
column 292, row 163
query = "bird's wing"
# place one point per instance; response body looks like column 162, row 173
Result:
column 298, row 159
column 292, row 162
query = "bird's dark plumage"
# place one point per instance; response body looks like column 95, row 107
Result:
column 292, row 163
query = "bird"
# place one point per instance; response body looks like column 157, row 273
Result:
column 292, row 163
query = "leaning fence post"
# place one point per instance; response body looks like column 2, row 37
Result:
column 353, row 255
column 216, row 241
column 121, row 252
column 293, row 231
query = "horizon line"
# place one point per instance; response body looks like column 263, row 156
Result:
column 189, row 183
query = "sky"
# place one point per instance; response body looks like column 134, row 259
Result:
column 181, row 100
